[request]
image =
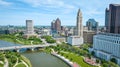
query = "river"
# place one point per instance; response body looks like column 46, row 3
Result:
column 40, row 59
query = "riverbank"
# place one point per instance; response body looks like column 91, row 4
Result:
column 27, row 61
column 13, row 59
column 63, row 59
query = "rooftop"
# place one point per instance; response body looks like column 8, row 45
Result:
column 116, row 4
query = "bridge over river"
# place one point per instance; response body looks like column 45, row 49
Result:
column 18, row 47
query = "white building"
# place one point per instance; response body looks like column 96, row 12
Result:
column 78, row 38
column 75, row 40
column 29, row 29
column 59, row 40
column 79, row 25
column 45, row 32
column 107, row 46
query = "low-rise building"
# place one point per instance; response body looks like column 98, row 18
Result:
column 88, row 36
column 107, row 46
column 75, row 40
column 60, row 39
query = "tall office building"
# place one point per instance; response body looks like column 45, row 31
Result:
column 106, row 18
column 58, row 25
column 113, row 17
column 29, row 27
column 92, row 25
column 53, row 25
column 77, row 40
column 79, row 24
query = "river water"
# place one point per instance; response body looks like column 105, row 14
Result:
column 38, row 59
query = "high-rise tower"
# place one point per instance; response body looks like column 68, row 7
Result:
column 77, row 39
column 29, row 27
column 53, row 25
column 106, row 18
column 113, row 18
column 58, row 25
column 79, row 24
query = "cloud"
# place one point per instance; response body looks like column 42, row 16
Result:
column 5, row 3
column 37, row 3
column 50, row 4
column 93, row 12
column 43, row 6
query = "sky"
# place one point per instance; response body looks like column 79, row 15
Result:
column 43, row 12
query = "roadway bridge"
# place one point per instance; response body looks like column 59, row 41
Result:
column 25, row 46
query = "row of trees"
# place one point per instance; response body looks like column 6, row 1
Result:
column 83, row 51
column 49, row 39
column 18, row 38
column 11, row 56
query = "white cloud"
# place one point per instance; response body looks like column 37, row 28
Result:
column 93, row 12
column 37, row 3
column 5, row 3
column 50, row 4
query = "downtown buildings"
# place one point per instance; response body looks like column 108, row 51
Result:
column 56, row 26
column 112, row 18
column 92, row 25
column 29, row 29
column 77, row 39
column 107, row 45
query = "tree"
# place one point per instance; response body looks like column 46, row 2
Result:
column 71, row 59
column 105, row 65
column 113, row 64
column 21, row 33
column 113, row 60
column 93, row 53
column 97, row 60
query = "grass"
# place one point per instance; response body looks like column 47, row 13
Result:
column 27, row 61
column 1, row 65
column 20, row 39
column 77, row 59
column 20, row 65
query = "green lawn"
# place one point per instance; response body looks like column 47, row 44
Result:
column 20, row 65
column 26, row 60
column 77, row 59
column 49, row 39
column 20, row 40
column 1, row 65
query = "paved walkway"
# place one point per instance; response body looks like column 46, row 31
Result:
column 1, row 62
column 16, row 63
column 6, row 63
column 63, row 58
column 25, row 63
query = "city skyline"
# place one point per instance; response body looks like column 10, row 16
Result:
column 43, row 12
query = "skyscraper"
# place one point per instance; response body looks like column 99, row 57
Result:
column 79, row 24
column 92, row 25
column 29, row 27
column 77, row 40
column 58, row 25
column 53, row 25
column 106, row 18
column 114, row 18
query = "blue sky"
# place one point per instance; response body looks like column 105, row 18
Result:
column 42, row 12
